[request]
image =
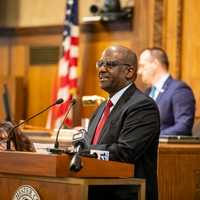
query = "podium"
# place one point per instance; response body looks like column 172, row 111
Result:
column 50, row 177
column 179, row 171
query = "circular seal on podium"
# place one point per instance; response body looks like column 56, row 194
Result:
column 26, row 192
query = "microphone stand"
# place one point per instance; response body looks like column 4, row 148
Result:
column 56, row 149
column 11, row 133
column 76, row 163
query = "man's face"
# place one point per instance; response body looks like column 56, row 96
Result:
column 112, row 71
column 147, row 67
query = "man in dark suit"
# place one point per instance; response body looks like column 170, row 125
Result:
column 174, row 98
column 131, row 131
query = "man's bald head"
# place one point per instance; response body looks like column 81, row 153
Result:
column 122, row 54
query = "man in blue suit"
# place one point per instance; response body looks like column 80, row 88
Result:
column 174, row 98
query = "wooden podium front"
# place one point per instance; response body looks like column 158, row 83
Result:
column 179, row 171
column 50, row 176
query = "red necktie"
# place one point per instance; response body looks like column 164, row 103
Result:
column 102, row 121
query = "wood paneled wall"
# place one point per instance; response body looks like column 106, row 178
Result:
column 37, row 80
column 172, row 34
column 4, row 55
column 16, row 97
column 91, row 45
column 23, row 13
column 181, row 40
column 172, row 25
column 190, row 68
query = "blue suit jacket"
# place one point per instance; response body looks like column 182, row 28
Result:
column 176, row 104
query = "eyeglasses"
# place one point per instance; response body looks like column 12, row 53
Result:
column 110, row 63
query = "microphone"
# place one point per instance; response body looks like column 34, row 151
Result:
column 56, row 144
column 10, row 135
column 81, row 148
column 80, row 140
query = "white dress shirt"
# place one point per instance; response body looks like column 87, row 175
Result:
column 115, row 98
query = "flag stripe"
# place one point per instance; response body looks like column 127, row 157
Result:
column 62, row 109
column 71, row 83
column 67, row 71
column 74, row 40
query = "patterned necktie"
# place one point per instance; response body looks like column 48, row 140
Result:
column 152, row 92
column 102, row 121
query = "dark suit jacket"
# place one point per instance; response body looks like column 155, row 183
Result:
column 131, row 135
column 176, row 104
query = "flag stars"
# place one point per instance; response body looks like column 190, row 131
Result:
column 65, row 33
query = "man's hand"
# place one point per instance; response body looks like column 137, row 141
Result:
column 19, row 141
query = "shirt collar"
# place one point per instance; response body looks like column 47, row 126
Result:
column 117, row 96
column 159, row 84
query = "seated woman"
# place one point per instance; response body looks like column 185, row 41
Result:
column 19, row 141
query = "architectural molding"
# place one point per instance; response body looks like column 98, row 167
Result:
column 179, row 31
column 161, row 32
column 30, row 31
column 158, row 23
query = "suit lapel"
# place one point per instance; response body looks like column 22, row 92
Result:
column 123, row 99
column 164, row 89
column 95, row 121
column 147, row 91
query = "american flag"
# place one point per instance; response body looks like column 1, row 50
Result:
column 66, row 83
